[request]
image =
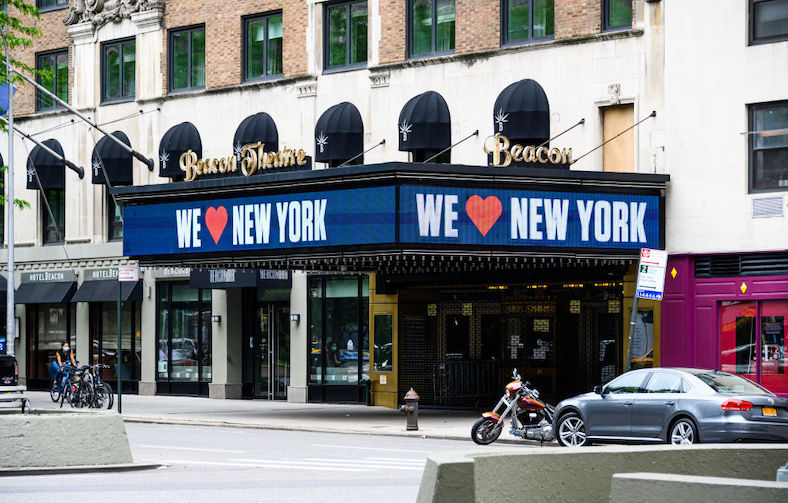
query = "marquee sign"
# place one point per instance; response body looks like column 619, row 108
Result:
column 503, row 153
column 249, row 159
column 377, row 215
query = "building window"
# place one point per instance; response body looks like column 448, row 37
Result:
column 768, row 21
column 52, row 68
column 54, row 225
column 114, row 219
column 616, row 14
column 618, row 155
column 769, row 147
column 118, row 72
column 430, row 27
column 524, row 20
column 346, row 34
column 263, row 46
column 187, row 59
column 104, row 341
column 46, row 5
column 48, row 327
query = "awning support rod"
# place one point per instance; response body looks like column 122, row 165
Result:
column 652, row 114
column 475, row 133
column 382, row 142
column 147, row 161
column 581, row 121
column 77, row 169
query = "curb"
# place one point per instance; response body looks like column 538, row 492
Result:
column 62, row 470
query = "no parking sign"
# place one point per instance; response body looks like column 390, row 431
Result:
column 651, row 274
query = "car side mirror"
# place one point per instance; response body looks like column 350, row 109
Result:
column 598, row 390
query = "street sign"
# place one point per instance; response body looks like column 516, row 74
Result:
column 651, row 274
column 126, row 273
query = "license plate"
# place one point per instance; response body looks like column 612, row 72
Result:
column 769, row 411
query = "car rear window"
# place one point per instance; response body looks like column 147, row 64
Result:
column 729, row 383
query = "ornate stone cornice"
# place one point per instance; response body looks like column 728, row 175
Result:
column 101, row 12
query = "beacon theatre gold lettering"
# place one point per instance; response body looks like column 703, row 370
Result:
column 253, row 159
column 503, row 153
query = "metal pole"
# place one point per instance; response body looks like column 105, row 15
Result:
column 10, row 320
column 77, row 169
column 119, row 355
column 632, row 322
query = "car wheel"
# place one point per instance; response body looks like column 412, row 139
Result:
column 572, row 430
column 484, row 431
column 683, row 432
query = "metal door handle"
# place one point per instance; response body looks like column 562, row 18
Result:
column 627, row 404
column 670, row 403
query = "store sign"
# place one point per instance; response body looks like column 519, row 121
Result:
column 49, row 276
column 128, row 273
column 651, row 274
column 251, row 159
column 503, row 153
column 100, row 274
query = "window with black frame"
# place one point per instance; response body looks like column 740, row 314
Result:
column 118, row 74
column 430, row 27
column 187, row 58
column 768, row 147
column 114, row 219
column 45, row 5
column 54, row 231
column 616, row 14
column 52, row 74
column 263, row 46
column 345, row 35
column 527, row 20
column 768, row 21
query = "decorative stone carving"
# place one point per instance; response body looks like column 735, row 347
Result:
column 379, row 79
column 101, row 12
column 306, row 89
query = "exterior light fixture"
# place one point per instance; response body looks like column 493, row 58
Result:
column 295, row 318
column 216, row 318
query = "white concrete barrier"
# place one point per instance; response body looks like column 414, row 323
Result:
column 662, row 487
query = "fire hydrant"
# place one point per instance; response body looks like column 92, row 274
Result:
column 411, row 410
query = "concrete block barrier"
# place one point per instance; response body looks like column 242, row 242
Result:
column 63, row 438
column 661, row 487
column 448, row 478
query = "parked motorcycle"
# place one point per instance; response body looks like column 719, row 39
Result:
column 530, row 418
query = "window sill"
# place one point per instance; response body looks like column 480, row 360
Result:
column 770, row 40
column 115, row 101
column 527, row 41
column 430, row 55
column 769, row 190
column 186, row 90
column 266, row 78
column 345, row 68
column 623, row 27
column 51, row 8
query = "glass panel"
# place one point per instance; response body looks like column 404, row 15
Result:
column 444, row 37
column 664, row 382
column 315, row 330
column 342, row 331
column 619, row 13
column 738, row 344
column 643, row 340
column 54, row 231
column 109, row 342
column 627, row 383
column 543, row 18
column 185, row 337
column 342, row 288
column 422, row 27
column 517, row 16
column 384, row 327
column 163, row 352
column 180, row 60
column 274, row 63
column 62, row 76
column 46, row 65
column 774, row 314
column 255, row 48
column 771, row 18
column 129, row 72
column 114, row 215
column 205, row 348
column 137, row 341
column 112, row 72
column 358, row 32
column 729, row 383
column 769, row 119
column 363, row 345
column 337, row 35
column 198, row 58
column 282, row 362
column 52, row 332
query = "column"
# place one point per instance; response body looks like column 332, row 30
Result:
column 299, row 332
column 83, row 333
column 226, row 343
column 148, row 345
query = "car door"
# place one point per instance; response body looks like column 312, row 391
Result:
column 610, row 414
column 652, row 408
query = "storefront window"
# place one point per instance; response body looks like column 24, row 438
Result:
column 104, row 339
column 431, row 26
column 383, row 342
column 52, row 324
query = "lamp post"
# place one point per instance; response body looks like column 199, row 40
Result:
column 9, row 203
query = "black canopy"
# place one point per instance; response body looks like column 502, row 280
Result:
column 51, row 171
column 116, row 160
column 258, row 127
column 45, row 293
column 177, row 140
column 339, row 134
column 522, row 113
column 107, row 291
column 425, row 123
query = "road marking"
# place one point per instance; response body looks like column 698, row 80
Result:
column 257, row 464
column 374, row 461
column 345, row 464
column 175, row 447
column 368, row 448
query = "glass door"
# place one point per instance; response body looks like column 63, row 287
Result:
column 738, row 342
column 263, row 354
column 272, row 352
column 774, row 314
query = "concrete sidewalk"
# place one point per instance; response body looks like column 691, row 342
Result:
column 334, row 418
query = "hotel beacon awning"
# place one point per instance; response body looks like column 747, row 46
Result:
column 45, row 293
column 116, row 160
column 177, row 140
column 339, row 133
column 258, row 127
column 51, row 172
column 522, row 113
column 107, row 291
column 425, row 123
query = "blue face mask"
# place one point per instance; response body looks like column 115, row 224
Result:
column 66, row 349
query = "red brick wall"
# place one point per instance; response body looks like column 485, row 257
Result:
column 478, row 25
column 575, row 18
column 393, row 30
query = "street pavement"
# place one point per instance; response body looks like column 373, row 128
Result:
column 220, row 464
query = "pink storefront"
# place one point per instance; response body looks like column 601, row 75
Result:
column 728, row 312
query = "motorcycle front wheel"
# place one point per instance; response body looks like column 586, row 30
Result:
column 485, row 432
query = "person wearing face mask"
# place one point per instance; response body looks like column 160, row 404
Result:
column 64, row 355
column 333, row 356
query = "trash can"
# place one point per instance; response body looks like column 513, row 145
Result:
column 367, row 391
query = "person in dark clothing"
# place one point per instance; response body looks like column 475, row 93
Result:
column 63, row 356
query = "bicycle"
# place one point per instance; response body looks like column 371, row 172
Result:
column 56, row 389
column 100, row 391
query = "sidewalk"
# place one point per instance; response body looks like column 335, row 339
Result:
column 334, row 418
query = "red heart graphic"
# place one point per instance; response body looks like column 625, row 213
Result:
column 216, row 221
column 483, row 212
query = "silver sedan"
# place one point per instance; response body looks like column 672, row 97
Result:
column 673, row 405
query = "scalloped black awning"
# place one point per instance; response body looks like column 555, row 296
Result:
column 177, row 140
column 522, row 113
column 425, row 123
column 51, row 172
column 339, row 133
column 258, row 127
column 116, row 160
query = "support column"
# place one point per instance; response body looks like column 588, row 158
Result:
column 148, row 346
column 299, row 335
column 226, row 344
column 83, row 333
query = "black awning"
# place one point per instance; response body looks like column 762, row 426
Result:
column 425, row 123
column 258, row 127
column 522, row 113
column 222, row 278
column 107, row 291
column 116, row 160
column 51, row 172
column 177, row 140
column 45, row 293
column 339, row 134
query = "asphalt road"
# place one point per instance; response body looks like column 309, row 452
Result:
column 220, row 464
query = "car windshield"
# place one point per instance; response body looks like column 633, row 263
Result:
column 729, row 383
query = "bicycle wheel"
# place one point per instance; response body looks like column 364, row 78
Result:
column 54, row 392
column 103, row 397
